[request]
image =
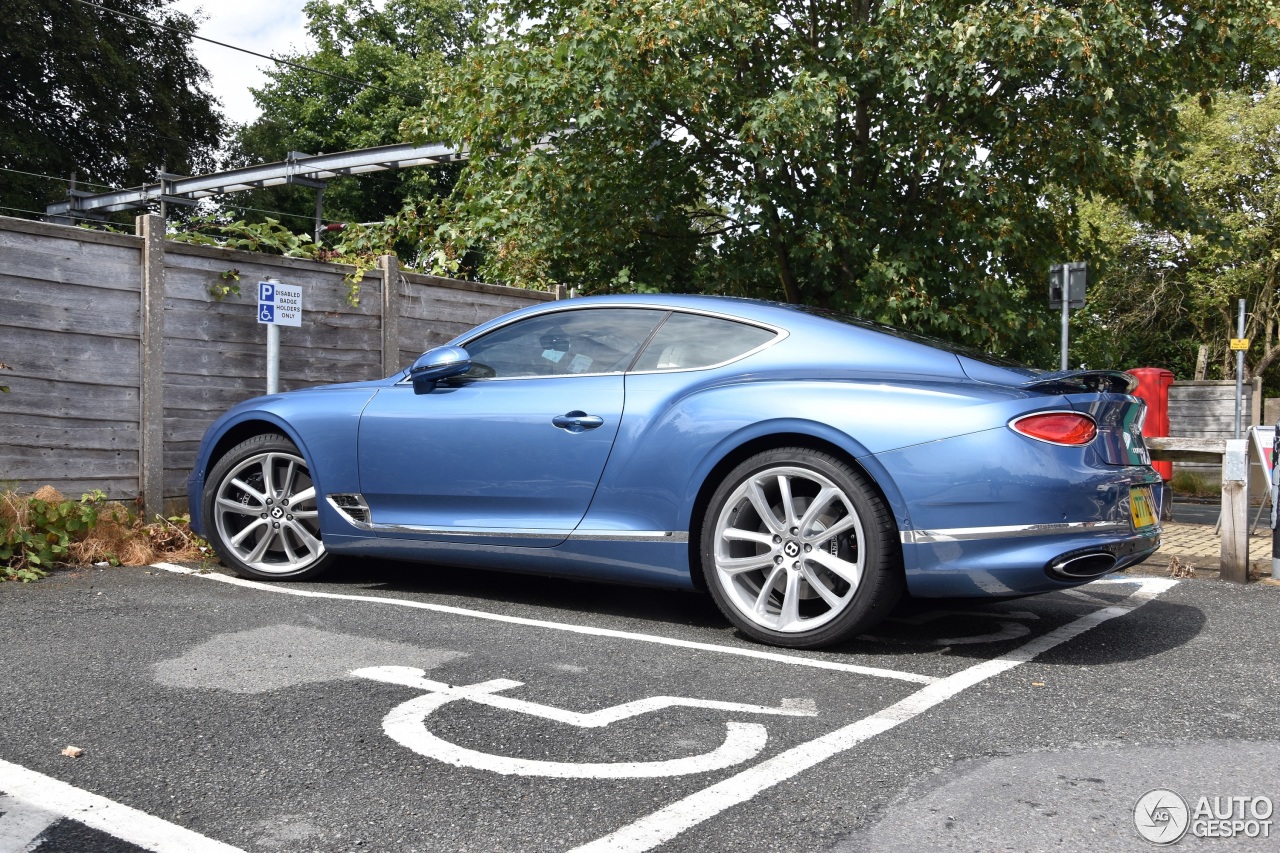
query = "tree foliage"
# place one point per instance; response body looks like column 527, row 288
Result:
column 107, row 97
column 384, row 57
column 1164, row 292
column 907, row 160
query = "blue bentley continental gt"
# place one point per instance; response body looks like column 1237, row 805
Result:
column 806, row 468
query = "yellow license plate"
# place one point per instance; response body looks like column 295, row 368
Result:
column 1142, row 504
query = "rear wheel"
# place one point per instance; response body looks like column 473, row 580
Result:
column 799, row 550
column 260, row 511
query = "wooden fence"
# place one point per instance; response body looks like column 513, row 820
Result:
column 122, row 356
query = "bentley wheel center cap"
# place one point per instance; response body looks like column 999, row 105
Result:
column 791, row 549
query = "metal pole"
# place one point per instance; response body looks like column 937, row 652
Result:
column 1066, row 313
column 273, row 353
column 164, row 191
column 273, row 358
column 1275, row 499
column 1239, row 371
column 319, row 212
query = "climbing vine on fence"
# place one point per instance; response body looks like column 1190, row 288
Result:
column 412, row 234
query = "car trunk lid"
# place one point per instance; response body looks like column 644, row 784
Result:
column 1073, row 381
column 1119, row 418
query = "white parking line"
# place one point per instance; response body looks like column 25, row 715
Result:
column 666, row 823
column 44, row 794
column 759, row 654
column 21, row 824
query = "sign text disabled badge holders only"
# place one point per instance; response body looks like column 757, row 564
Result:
column 279, row 304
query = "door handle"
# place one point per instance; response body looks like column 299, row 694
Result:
column 576, row 421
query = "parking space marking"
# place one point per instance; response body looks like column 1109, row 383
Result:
column 406, row 724
column 759, row 654
column 45, row 794
column 21, row 824
column 668, row 822
column 484, row 694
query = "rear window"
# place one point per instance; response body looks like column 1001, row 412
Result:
column 688, row 341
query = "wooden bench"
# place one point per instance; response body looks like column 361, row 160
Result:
column 1233, row 454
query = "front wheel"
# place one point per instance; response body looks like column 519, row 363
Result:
column 260, row 511
column 799, row 550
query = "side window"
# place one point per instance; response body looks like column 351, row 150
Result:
column 687, row 341
column 583, row 340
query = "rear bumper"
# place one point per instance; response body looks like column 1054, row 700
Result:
column 1022, row 565
column 992, row 514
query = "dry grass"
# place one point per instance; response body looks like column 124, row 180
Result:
column 120, row 535
column 1192, row 484
column 13, row 510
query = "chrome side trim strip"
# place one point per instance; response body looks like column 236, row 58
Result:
column 630, row 535
column 472, row 533
column 557, row 535
column 961, row 534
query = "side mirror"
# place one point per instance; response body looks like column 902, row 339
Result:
column 436, row 364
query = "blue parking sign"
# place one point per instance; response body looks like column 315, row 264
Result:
column 279, row 304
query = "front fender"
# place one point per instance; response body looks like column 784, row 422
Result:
column 322, row 423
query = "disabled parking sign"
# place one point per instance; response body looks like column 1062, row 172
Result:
column 279, row 304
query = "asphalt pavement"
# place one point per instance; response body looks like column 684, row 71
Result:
column 411, row 708
column 1200, row 512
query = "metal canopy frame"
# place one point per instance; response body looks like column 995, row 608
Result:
column 302, row 169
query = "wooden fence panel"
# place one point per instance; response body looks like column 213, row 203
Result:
column 215, row 350
column 69, row 328
column 71, row 315
column 1206, row 409
column 434, row 311
column 35, row 252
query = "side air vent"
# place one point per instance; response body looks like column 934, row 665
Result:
column 352, row 507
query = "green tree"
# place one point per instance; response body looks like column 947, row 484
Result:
column 379, row 61
column 1139, row 306
column 1164, row 292
column 899, row 158
column 110, row 98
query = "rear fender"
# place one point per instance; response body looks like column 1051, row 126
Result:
column 782, row 432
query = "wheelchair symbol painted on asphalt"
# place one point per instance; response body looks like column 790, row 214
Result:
column 407, row 725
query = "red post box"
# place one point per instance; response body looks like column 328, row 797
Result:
column 1153, row 389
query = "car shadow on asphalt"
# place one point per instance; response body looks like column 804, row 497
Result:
column 981, row 628
column 481, row 588
column 975, row 630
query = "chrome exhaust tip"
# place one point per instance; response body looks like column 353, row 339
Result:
column 1078, row 566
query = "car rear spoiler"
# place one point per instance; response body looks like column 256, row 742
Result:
column 1075, row 381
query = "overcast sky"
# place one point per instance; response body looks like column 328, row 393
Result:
column 266, row 26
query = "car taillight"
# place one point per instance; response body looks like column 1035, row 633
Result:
column 1068, row 428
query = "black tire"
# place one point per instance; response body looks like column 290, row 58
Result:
column 827, row 569
column 260, row 511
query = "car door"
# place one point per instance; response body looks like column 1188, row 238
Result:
column 511, row 452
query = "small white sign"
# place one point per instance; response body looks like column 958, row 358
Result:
column 279, row 304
